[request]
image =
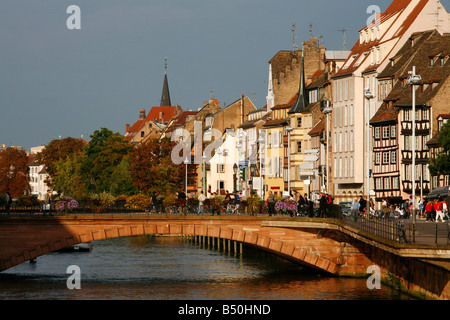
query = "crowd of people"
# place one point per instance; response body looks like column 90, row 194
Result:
column 429, row 209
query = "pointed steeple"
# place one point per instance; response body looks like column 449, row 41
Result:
column 303, row 99
column 165, row 97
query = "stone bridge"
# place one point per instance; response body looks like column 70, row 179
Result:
column 327, row 245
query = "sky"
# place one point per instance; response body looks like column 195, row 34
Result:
column 57, row 82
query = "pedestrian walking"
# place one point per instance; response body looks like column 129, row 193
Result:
column 201, row 201
column 429, row 211
column 271, row 203
column 439, row 211
column 323, row 203
column 8, row 202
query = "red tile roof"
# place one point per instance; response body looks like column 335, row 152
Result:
column 167, row 113
column 397, row 6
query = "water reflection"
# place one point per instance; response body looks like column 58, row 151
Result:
column 170, row 268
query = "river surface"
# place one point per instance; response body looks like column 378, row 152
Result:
column 172, row 268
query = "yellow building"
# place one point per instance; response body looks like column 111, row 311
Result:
column 276, row 156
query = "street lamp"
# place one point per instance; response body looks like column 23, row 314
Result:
column 204, row 174
column 368, row 95
column 219, row 152
column 413, row 80
column 235, row 171
column 186, row 161
column 261, row 141
column 327, row 111
column 289, row 129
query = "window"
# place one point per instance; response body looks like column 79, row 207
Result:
column 393, row 132
column 299, row 147
column 393, row 156
column 407, row 142
column 387, row 183
column 377, row 132
column 377, row 157
column 221, row 168
column 378, row 184
column 385, row 132
column 395, row 183
column 385, row 157
column 406, row 115
column 425, row 115
column 299, row 122
column 269, row 140
column 352, row 167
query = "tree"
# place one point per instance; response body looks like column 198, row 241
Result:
column 57, row 150
column 152, row 168
column 441, row 164
column 14, row 172
column 105, row 152
column 67, row 177
column 121, row 182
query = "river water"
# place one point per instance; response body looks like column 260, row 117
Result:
column 171, row 268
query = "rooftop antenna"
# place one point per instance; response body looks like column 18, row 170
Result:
column 311, row 29
column 344, row 39
column 294, row 43
column 212, row 93
column 438, row 8
column 320, row 42
column 253, row 94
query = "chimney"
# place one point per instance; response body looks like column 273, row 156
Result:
column 160, row 116
column 127, row 128
column 142, row 115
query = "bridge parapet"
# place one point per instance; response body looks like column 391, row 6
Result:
column 324, row 244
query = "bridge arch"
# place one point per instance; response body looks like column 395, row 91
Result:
column 323, row 249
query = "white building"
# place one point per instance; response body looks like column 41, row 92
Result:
column 378, row 42
column 38, row 175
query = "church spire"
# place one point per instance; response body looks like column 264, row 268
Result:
column 302, row 100
column 165, row 97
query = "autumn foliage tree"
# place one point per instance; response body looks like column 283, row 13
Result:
column 58, row 150
column 14, row 172
column 152, row 168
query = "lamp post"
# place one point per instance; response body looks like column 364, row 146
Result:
column 413, row 80
column 261, row 141
column 368, row 95
column 235, row 171
column 327, row 111
column 252, row 173
column 204, row 174
column 219, row 152
column 289, row 129
column 186, row 161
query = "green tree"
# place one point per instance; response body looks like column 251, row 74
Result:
column 67, row 178
column 104, row 154
column 121, row 182
column 441, row 164
column 57, row 150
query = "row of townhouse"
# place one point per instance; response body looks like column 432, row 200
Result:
column 335, row 121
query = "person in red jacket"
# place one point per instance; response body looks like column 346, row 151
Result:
column 439, row 212
column 429, row 210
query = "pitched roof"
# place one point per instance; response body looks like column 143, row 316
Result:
column 386, row 112
column 318, row 128
column 165, row 96
column 162, row 113
column 302, row 97
column 395, row 9
column 435, row 48
column 405, row 54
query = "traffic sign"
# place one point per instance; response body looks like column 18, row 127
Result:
column 307, row 166
column 243, row 164
column 306, row 173
column 311, row 151
column 310, row 157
